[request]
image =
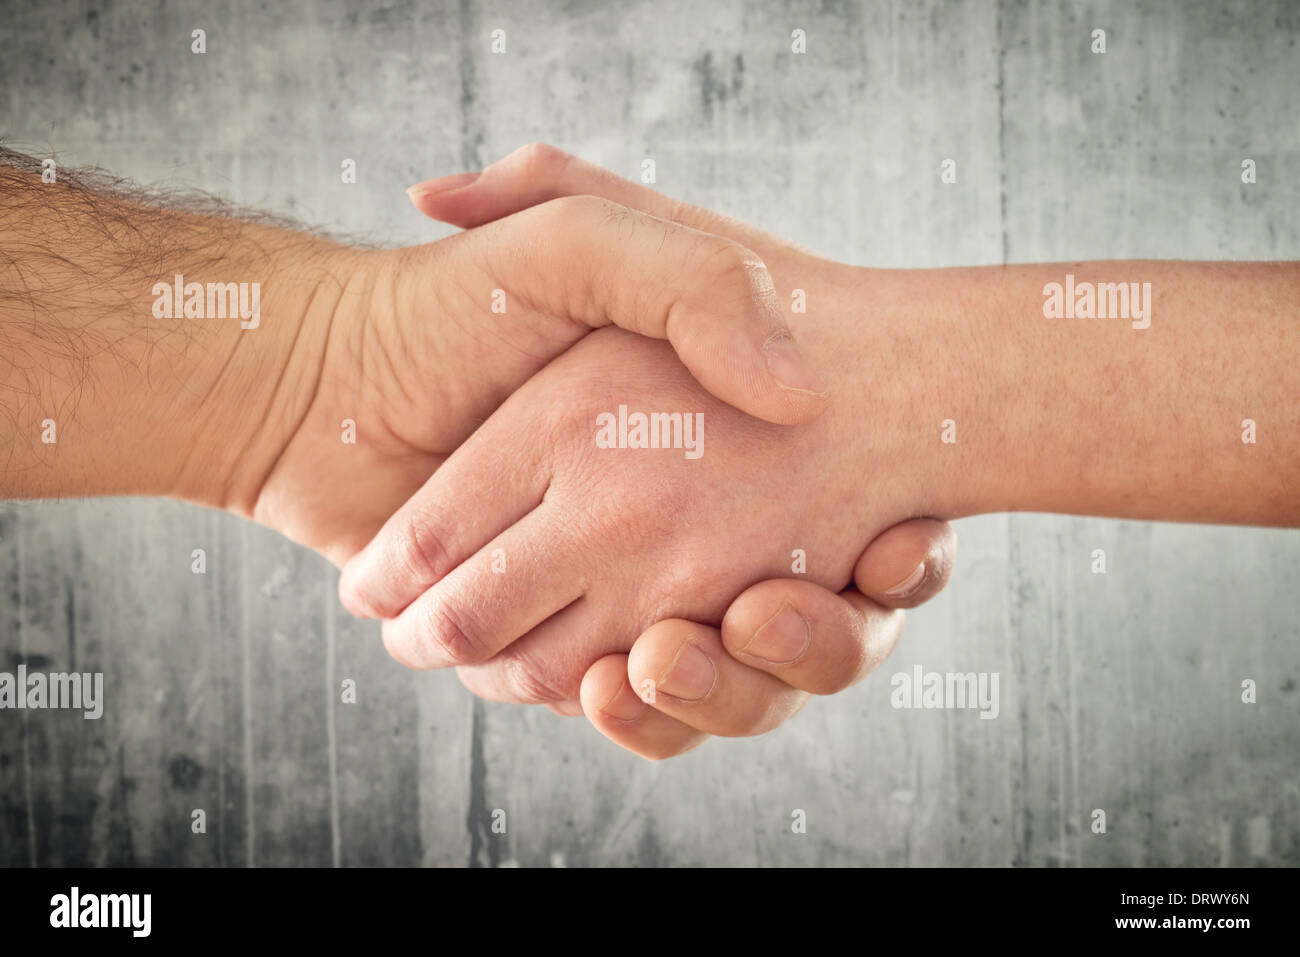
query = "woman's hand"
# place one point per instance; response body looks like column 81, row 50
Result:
column 840, row 637
column 780, row 642
column 562, row 542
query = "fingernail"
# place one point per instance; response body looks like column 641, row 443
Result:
column 625, row 705
column 782, row 638
column 690, row 676
column 908, row 584
column 443, row 184
column 788, row 366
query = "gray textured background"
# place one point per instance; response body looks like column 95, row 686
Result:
column 1119, row 691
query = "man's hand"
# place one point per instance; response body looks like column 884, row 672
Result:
column 450, row 329
column 362, row 370
column 841, row 636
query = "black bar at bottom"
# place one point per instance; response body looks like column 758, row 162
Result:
column 636, row 907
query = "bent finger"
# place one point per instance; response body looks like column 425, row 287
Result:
column 808, row 636
column 615, row 710
column 908, row 564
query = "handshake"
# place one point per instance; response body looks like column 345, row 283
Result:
column 501, row 436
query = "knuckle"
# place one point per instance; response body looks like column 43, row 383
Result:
column 452, row 638
column 542, row 161
column 687, row 590
column 530, row 684
column 727, row 261
column 423, row 555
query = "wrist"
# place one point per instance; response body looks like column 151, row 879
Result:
column 994, row 402
column 918, row 399
column 248, row 386
column 144, row 345
column 985, row 403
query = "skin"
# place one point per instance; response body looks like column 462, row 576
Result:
column 905, row 567
column 1082, row 416
column 424, row 361
column 403, row 343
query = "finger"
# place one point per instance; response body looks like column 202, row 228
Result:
column 807, row 636
column 546, row 665
column 615, row 711
column 538, row 173
column 476, row 610
column 597, row 263
column 682, row 669
column 908, row 564
column 486, row 486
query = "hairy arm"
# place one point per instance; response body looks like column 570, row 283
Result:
column 158, row 348
column 109, row 383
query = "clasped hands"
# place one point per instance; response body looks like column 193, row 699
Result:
column 462, row 425
column 666, row 597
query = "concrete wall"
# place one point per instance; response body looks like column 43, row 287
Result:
column 1118, row 691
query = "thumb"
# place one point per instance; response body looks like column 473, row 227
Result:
column 908, row 564
column 598, row 263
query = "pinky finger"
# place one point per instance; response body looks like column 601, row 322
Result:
column 619, row 713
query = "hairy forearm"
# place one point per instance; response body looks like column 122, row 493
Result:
column 1184, row 408
column 113, row 383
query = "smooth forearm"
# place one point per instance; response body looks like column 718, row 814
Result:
column 1139, row 415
